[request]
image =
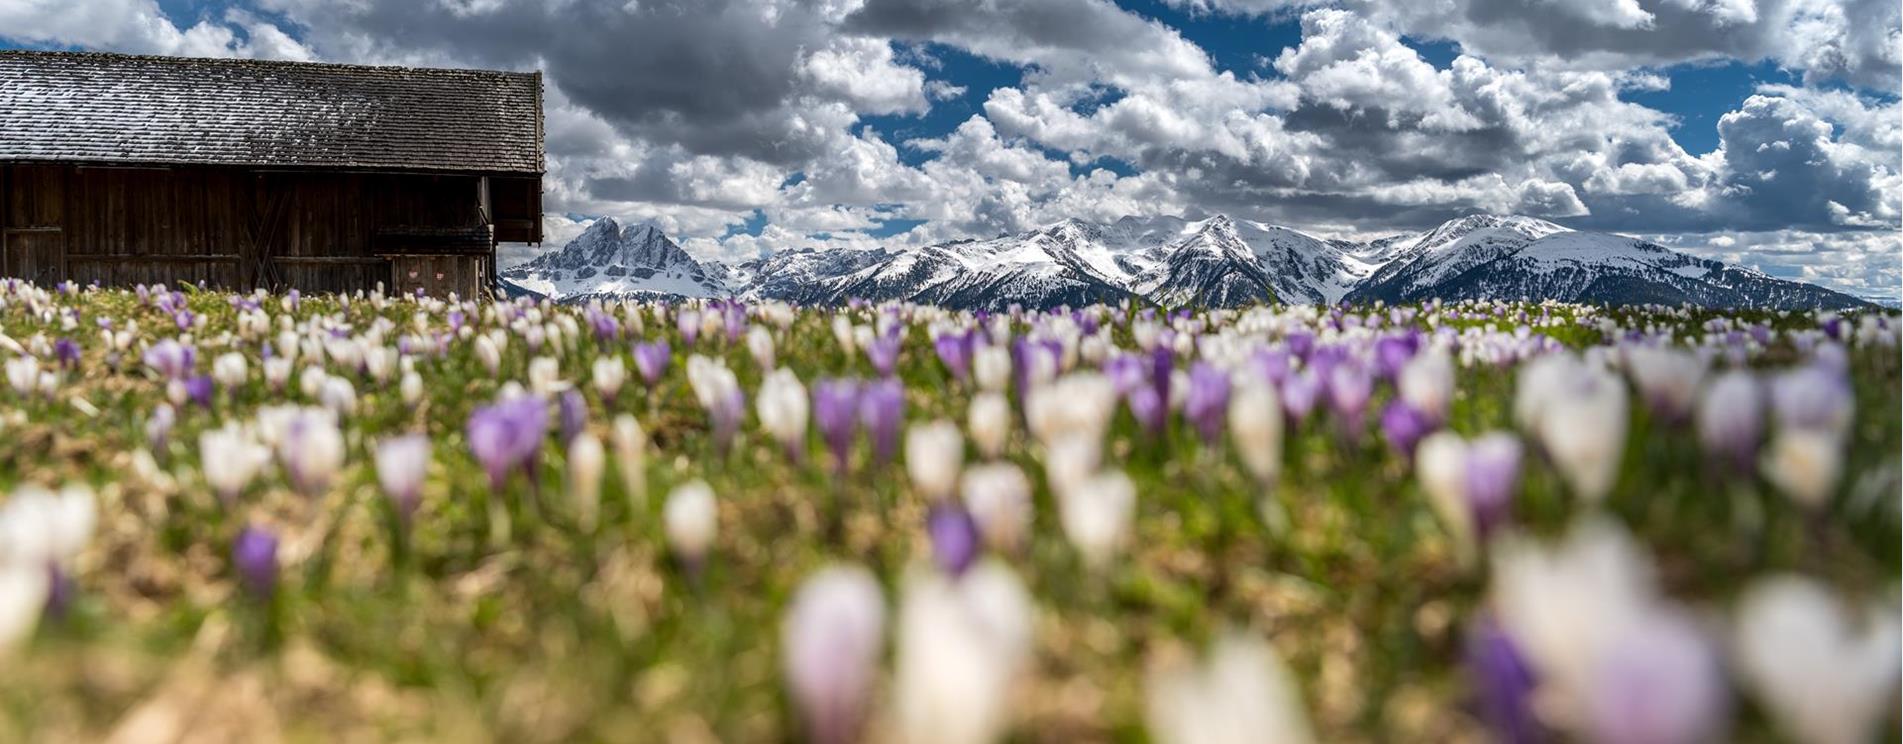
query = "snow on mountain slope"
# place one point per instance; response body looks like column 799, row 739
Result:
column 1174, row 262
column 609, row 259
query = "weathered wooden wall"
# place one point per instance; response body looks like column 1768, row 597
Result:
column 235, row 228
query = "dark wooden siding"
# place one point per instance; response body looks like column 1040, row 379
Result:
column 236, row 228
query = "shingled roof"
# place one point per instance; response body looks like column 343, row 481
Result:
column 114, row 108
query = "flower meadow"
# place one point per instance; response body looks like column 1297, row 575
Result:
column 258, row 517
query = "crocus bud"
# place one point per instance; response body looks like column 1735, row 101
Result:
column 783, row 409
column 760, row 345
column 230, row 369
column 1659, row 681
column 1502, row 681
column 1826, row 675
column 630, row 446
column 955, row 538
column 1096, row 515
column 1667, row 379
column 1730, row 419
column 1440, row 463
column 690, row 518
column 586, row 459
column 961, row 644
column 254, row 557
column 311, row 449
column 1492, row 479
column 609, row 374
column 1426, row 382
column 651, row 359
column 229, row 458
column 402, row 463
column 24, row 589
column 1208, row 401
column 1241, row 693
column 1255, row 424
column 933, row 454
column 830, row 639
column 489, row 354
column 410, row 388
column 991, row 367
column 999, row 499
column 1805, row 464
column 1583, row 431
column 989, row 419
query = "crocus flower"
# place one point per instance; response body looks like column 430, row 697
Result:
column 1730, row 419
column 1299, row 393
column 229, row 458
column 1096, row 514
column 1667, row 378
column 402, row 463
column 1392, row 353
column 830, row 640
column 883, row 353
column 961, row 644
column 311, row 449
column 881, row 411
column 650, row 359
column 67, row 352
column 1825, row 670
column 158, row 426
column 690, row 518
column 170, row 359
column 933, row 454
column 1426, row 383
column 572, row 409
column 989, row 420
column 1349, row 388
column 836, row 410
column 507, row 436
column 1255, row 424
column 1240, row 694
column 254, row 557
column 199, row 388
column 998, row 496
column 688, row 323
column 1403, row 426
column 1208, row 402
column 609, row 374
column 1805, row 464
column 760, row 346
column 783, row 409
column 955, row 538
column 1502, row 683
column 1583, row 431
column 991, row 367
column 1812, row 398
column 630, row 451
column 586, row 460
column 1492, row 479
column 955, row 351
column 1659, row 682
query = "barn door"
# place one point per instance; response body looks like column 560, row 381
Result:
column 34, row 255
column 32, row 245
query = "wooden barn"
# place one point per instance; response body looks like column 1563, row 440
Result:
column 239, row 173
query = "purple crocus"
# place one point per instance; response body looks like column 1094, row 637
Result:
column 1126, row 372
column 1502, row 683
column 1299, row 392
column 1812, row 398
column 725, row 415
column 200, row 389
column 1391, row 353
column 836, row 411
column 1660, row 683
column 1207, row 403
column 1493, row 478
column 1272, row 364
column 650, row 359
column 1404, row 426
column 688, row 323
column 573, row 410
column 254, row 556
column 67, row 352
column 955, row 538
column 507, row 436
column 954, row 350
column 1730, row 420
column 171, row 359
column 1149, row 409
column 881, row 411
column 883, row 353
column 1349, row 388
column 60, row 592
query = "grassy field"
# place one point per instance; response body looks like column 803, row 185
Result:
column 543, row 611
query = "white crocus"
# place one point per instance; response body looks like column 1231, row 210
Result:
column 586, row 460
column 830, row 639
column 1826, row 675
column 1426, row 382
column 230, row 459
column 23, row 374
column 760, row 345
column 961, row 644
column 1440, row 463
column 1255, row 423
column 934, row 452
column 630, row 451
column 991, row 368
column 1241, row 694
column 1096, row 514
column 545, row 376
column 784, row 409
column 230, row 369
column 998, row 495
column 1668, row 378
column 1583, row 431
column 410, row 388
column 609, row 373
column 489, row 354
column 1568, row 604
column 23, row 590
column 1805, row 465
column 691, row 518
column 277, row 372
column 989, row 420
column 843, row 335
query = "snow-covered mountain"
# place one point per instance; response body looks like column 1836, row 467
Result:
column 1173, row 261
column 612, row 260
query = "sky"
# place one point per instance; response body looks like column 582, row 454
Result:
column 1761, row 132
